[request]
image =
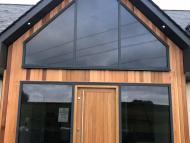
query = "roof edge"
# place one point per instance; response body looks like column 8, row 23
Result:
column 23, row 24
column 20, row 16
column 160, row 19
column 27, row 20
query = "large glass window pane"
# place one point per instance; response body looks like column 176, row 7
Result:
column 45, row 114
column 145, row 114
column 86, row 35
column 53, row 46
column 97, row 33
column 140, row 49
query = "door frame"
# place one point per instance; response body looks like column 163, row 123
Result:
column 118, row 107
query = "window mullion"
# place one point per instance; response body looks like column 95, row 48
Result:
column 119, row 34
column 75, row 34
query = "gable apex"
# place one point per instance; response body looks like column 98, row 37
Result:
column 147, row 7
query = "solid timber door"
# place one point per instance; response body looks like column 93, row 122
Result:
column 96, row 115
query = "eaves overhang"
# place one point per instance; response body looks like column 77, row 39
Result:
column 163, row 22
column 24, row 23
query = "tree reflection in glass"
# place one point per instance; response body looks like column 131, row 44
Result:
column 145, row 114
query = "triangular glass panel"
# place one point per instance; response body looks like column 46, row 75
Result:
column 140, row 48
column 53, row 45
column 96, row 34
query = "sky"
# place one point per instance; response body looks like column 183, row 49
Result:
column 173, row 4
column 164, row 4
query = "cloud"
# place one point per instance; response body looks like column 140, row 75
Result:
column 48, row 93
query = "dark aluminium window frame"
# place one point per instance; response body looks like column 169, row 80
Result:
column 73, row 84
column 20, row 103
column 118, row 67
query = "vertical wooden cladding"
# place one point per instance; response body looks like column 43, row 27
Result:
column 14, row 74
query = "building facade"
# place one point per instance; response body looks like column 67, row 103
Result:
column 102, row 71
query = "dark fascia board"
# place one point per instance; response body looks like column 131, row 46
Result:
column 159, row 18
column 15, row 30
column 20, row 26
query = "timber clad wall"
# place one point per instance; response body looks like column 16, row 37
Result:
column 14, row 74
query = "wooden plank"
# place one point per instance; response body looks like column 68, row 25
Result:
column 183, row 98
column 16, row 75
column 4, row 100
column 174, row 92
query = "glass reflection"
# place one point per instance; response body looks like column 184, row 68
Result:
column 140, row 49
column 45, row 114
column 89, row 38
column 97, row 32
column 53, row 46
column 145, row 114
